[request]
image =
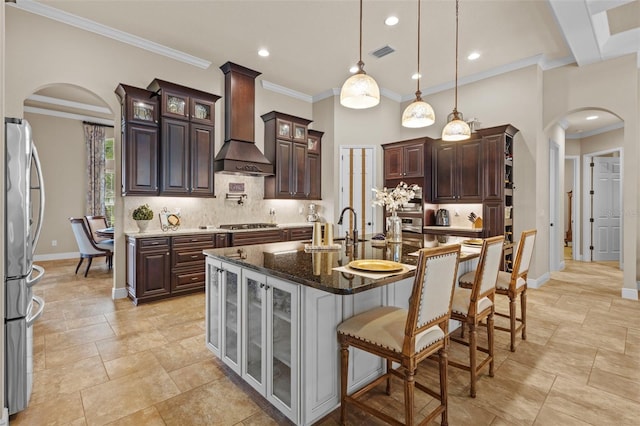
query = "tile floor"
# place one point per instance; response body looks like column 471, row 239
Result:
column 100, row 361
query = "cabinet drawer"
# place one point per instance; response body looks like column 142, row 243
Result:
column 187, row 280
column 189, row 256
column 153, row 243
column 255, row 237
column 297, row 234
column 192, row 239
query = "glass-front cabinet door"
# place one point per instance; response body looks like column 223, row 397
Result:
column 202, row 111
column 175, row 105
column 230, row 280
column 254, row 329
column 283, row 344
column 213, row 289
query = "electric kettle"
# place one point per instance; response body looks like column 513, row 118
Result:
column 442, row 217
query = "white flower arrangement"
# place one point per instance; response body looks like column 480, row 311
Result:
column 396, row 197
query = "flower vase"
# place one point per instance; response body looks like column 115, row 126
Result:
column 394, row 228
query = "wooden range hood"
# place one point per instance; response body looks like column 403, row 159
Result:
column 239, row 154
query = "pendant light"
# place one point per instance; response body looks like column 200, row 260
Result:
column 456, row 128
column 360, row 91
column 418, row 113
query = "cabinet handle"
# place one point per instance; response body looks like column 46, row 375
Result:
column 194, row 256
column 194, row 278
column 267, row 287
column 261, row 285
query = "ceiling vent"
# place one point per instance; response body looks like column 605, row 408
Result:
column 383, row 51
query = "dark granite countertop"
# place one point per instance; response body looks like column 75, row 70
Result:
column 289, row 261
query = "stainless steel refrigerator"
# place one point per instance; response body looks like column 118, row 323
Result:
column 24, row 208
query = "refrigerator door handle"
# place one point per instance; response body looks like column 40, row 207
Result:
column 31, row 281
column 36, row 161
column 31, row 318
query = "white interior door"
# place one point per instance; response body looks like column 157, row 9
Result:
column 606, row 208
column 356, row 183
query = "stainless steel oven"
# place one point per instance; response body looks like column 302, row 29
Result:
column 411, row 224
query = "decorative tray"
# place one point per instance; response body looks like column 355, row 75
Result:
column 375, row 265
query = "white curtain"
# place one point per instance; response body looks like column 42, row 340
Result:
column 94, row 138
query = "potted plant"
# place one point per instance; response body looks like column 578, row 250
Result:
column 142, row 215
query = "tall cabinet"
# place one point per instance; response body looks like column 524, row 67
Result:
column 297, row 168
column 498, row 188
column 140, row 140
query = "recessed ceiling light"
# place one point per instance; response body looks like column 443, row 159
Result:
column 391, row 20
column 263, row 52
column 416, row 76
column 354, row 69
column 473, row 56
column 592, row 117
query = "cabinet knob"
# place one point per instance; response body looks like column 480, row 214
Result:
column 267, row 287
column 261, row 285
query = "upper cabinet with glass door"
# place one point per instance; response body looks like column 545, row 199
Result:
column 184, row 103
column 139, row 106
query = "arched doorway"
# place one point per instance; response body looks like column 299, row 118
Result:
column 588, row 134
column 56, row 113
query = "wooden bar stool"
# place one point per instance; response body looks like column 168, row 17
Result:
column 406, row 336
column 513, row 284
column 473, row 305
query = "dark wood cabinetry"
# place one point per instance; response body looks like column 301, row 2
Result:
column 314, row 164
column 162, row 267
column 457, row 172
column 139, row 135
column 187, row 139
column 498, row 186
column 297, row 234
column 148, row 268
column 405, row 161
column 286, row 145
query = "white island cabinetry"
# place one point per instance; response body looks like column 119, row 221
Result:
column 288, row 348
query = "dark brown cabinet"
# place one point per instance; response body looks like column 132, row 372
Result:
column 286, row 146
column 498, row 186
column 457, row 172
column 407, row 161
column 297, row 234
column 148, row 268
column 162, row 267
column 139, row 135
column 314, row 163
column 187, row 139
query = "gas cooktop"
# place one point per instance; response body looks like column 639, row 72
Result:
column 249, row 226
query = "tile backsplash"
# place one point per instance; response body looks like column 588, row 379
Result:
column 195, row 212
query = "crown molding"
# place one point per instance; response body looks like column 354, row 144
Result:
column 286, row 91
column 69, row 104
column 68, row 115
column 103, row 30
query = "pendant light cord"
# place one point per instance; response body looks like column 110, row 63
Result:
column 455, row 107
column 418, row 83
column 360, row 63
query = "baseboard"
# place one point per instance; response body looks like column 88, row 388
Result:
column 629, row 293
column 119, row 293
column 4, row 420
column 538, row 282
column 56, row 256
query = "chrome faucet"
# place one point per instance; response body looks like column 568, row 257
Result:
column 354, row 232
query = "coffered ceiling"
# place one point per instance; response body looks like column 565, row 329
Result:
column 313, row 43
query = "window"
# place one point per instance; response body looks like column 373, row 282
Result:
column 110, row 181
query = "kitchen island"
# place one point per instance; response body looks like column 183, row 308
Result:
column 272, row 312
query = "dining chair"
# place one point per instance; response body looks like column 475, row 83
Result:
column 473, row 305
column 513, row 284
column 95, row 223
column 88, row 248
column 406, row 336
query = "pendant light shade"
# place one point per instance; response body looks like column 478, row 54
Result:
column 360, row 91
column 456, row 129
column 418, row 113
